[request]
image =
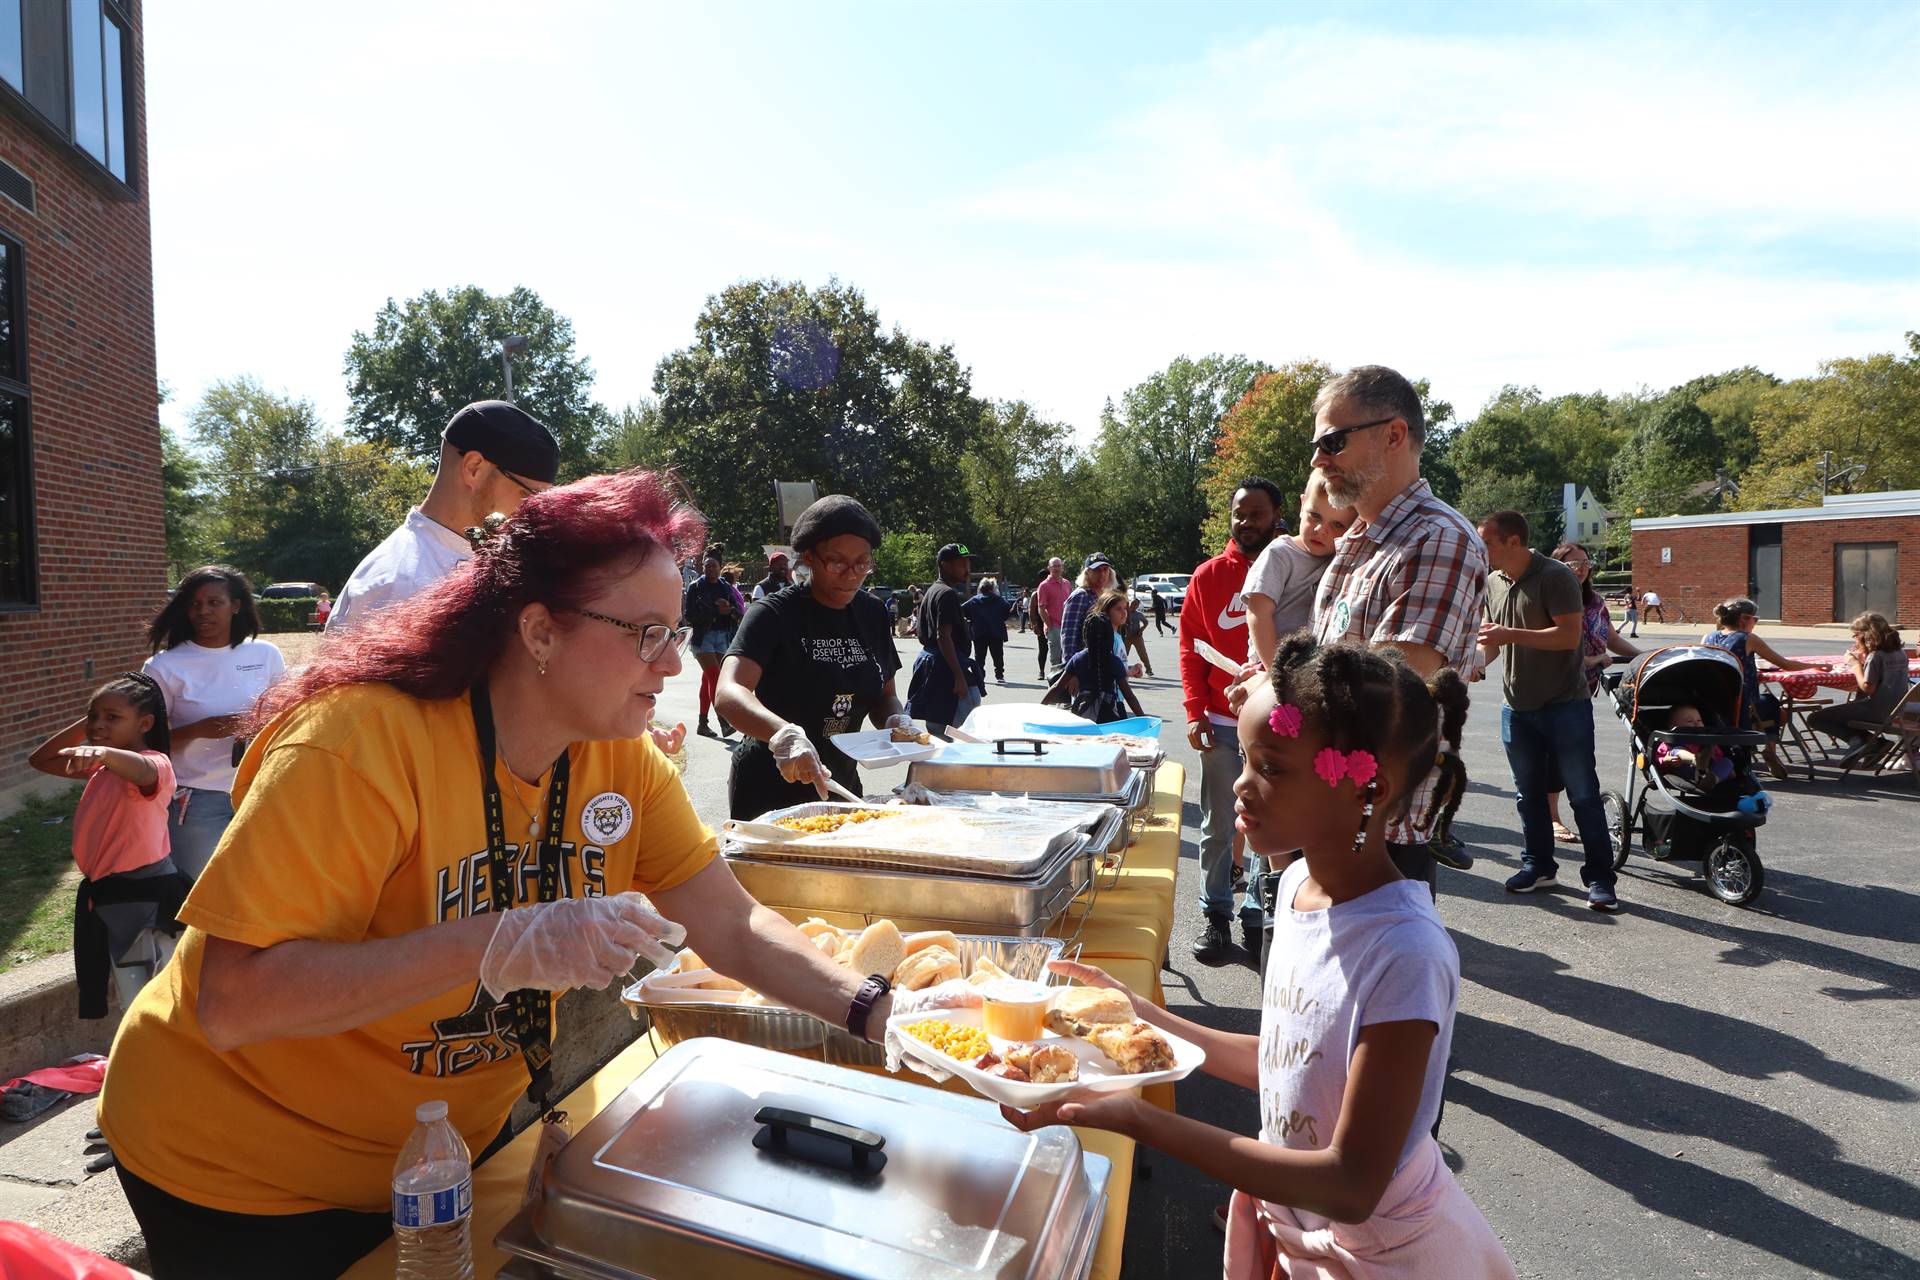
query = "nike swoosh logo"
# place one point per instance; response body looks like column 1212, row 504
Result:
column 1228, row 618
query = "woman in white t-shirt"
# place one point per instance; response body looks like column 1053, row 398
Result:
column 211, row 668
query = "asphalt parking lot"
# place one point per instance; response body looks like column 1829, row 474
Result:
column 1684, row 1089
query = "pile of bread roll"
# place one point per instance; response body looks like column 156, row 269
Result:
column 911, row 961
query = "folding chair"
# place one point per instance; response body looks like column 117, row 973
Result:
column 1886, row 739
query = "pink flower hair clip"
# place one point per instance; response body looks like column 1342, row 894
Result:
column 1285, row 720
column 1334, row 765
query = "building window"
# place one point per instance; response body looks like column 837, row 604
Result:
column 68, row 59
column 17, row 579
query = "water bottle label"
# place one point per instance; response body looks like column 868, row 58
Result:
column 433, row 1208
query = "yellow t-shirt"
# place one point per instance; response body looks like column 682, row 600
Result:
column 357, row 816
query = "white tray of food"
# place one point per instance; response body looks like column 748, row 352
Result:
column 884, row 748
column 1088, row 1042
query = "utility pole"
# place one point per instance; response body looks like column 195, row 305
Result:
column 1826, row 469
column 514, row 346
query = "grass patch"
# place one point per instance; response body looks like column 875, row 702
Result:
column 36, row 865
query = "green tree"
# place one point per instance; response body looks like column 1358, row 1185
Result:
column 904, row 556
column 188, row 543
column 427, row 357
column 1864, row 412
column 1153, row 456
column 1269, row 432
column 631, row 437
column 783, row 382
column 284, row 498
column 1016, row 472
column 1504, row 463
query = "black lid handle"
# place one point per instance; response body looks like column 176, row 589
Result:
column 1039, row 746
column 819, row 1140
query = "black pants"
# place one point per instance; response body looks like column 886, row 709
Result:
column 998, row 648
column 1040, row 634
column 1415, row 863
column 186, row 1241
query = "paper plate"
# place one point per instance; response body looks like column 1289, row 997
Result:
column 876, row 749
column 1098, row 1074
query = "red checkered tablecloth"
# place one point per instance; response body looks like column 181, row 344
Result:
column 1800, row 685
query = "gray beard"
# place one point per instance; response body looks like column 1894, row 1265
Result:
column 1361, row 482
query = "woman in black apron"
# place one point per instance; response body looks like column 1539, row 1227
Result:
column 810, row 661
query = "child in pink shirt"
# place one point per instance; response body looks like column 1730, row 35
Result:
column 120, row 840
column 1345, row 1180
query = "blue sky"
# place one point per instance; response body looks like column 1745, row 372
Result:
column 1577, row 197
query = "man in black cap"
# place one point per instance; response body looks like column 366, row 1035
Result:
column 941, row 690
column 492, row 455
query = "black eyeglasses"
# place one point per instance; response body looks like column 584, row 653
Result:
column 655, row 637
column 527, row 488
column 1335, row 441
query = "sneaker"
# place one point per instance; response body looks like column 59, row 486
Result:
column 1450, row 852
column 1214, row 942
column 1526, row 880
column 726, row 730
column 1255, row 928
column 1239, row 881
column 706, row 730
column 1600, row 897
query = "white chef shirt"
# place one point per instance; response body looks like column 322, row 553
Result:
column 413, row 557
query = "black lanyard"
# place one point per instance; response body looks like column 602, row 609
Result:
column 531, row 1011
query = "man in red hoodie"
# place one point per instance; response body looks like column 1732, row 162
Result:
column 1215, row 613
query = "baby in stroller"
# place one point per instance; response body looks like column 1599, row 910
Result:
column 1691, row 794
column 1687, row 758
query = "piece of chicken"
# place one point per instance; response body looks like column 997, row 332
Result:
column 1136, row 1048
column 1044, row 1063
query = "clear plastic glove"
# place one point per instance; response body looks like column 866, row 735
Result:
column 575, row 942
column 797, row 759
column 954, row 993
column 899, row 720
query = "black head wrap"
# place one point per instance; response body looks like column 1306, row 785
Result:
column 833, row 516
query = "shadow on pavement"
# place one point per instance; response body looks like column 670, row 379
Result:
column 1756, row 948
column 1636, row 1098
column 1672, row 1188
column 1733, row 1045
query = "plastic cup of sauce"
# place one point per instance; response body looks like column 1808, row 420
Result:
column 1015, row 1009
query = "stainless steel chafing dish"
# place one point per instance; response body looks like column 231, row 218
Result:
column 726, row 1160
column 949, row 841
column 1021, row 906
column 1031, row 766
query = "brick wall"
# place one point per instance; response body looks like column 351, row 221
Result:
column 99, row 519
column 1710, row 564
column 1806, row 565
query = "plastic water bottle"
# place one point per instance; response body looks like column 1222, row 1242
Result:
column 433, row 1200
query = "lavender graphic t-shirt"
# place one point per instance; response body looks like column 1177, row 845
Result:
column 1382, row 957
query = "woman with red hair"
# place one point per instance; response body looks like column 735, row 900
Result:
column 446, row 817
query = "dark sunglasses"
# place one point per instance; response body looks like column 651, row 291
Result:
column 530, row 490
column 1335, row 441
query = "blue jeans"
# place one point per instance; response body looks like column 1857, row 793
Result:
column 1218, row 769
column 195, row 822
column 1549, row 746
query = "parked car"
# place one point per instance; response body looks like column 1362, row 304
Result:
column 1171, row 586
column 291, row 590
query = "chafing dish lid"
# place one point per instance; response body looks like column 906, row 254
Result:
column 672, row 1165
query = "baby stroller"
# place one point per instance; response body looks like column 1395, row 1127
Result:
column 1702, row 818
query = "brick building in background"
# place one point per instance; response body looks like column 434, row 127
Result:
column 82, row 523
column 1803, row 565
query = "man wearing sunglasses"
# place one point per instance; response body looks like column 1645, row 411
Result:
column 492, row 455
column 1411, row 572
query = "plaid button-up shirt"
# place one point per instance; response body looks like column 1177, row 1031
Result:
column 1415, row 575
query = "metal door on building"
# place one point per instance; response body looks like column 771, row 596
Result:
column 1763, row 569
column 1864, row 578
